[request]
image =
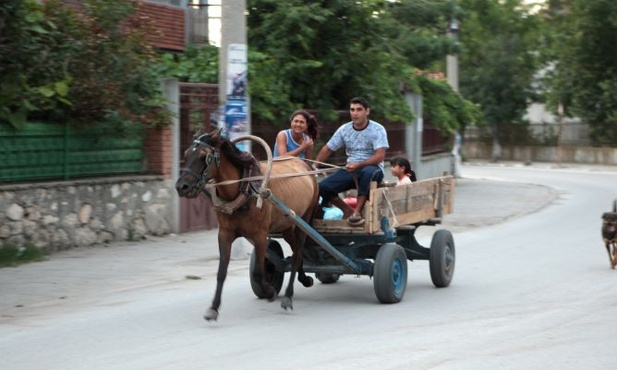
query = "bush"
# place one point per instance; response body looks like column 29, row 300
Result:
column 32, row 54
column 78, row 67
column 11, row 255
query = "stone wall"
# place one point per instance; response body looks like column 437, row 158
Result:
column 61, row 215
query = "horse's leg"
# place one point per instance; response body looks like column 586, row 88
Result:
column 300, row 241
column 307, row 281
column 225, row 240
column 296, row 242
column 260, row 245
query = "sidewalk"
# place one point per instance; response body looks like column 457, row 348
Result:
column 88, row 272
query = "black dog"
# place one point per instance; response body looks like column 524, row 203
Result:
column 609, row 233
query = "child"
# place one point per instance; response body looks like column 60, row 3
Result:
column 401, row 169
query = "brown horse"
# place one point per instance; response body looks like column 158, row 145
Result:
column 213, row 158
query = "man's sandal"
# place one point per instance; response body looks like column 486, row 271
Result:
column 355, row 220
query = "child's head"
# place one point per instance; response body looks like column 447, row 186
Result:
column 400, row 164
column 400, row 167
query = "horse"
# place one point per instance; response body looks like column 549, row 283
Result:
column 213, row 159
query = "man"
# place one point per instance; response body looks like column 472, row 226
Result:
column 365, row 143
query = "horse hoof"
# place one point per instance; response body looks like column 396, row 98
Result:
column 286, row 303
column 211, row 315
column 308, row 282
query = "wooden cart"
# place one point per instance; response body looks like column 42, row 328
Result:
column 382, row 246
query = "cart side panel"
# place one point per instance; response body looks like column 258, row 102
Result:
column 416, row 202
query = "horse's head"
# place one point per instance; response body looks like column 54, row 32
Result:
column 201, row 160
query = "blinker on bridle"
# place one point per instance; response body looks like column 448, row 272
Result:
column 212, row 156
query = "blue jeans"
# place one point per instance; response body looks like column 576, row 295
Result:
column 342, row 180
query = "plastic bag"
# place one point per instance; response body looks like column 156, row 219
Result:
column 332, row 213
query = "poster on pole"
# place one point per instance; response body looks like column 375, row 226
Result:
column 236, row 117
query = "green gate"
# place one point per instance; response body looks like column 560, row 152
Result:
column 45, row 151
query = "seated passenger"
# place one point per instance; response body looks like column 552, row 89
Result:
column 401, row 169
column 365, row 143
column 297, row 141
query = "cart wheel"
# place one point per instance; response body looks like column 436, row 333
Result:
column 327, row 278
column 390, row 273
column 273, row 276
column 441, row 258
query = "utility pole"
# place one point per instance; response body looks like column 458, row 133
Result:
column 452, row 75
column 233, row 96
column 560, row 113
column 233, row 71
column 452, row 59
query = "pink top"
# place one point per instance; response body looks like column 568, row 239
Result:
column 404, row 181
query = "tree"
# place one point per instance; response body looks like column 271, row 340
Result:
column 582, row 55
column 111, row 68
column 320, row 54
column 33, row 76
column 499, row 60
column 93, row 66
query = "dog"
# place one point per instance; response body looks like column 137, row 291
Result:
column 609, row 233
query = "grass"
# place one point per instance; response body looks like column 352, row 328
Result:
column 12, row 255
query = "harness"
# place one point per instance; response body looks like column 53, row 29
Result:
column 247, row 190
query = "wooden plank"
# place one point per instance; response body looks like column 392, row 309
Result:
column 408, row 204
column 337, row 227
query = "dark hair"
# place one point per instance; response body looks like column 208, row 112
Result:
column 359, row 100
column 403, row 162
column 312, row 128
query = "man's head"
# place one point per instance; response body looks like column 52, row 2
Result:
column 359, row 110
column 359, row 100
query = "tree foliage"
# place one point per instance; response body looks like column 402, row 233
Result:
column 195, row 64
column 499, row 60
column 582, row 55
column 33, row 76
column 95, row 61
column 318, row 55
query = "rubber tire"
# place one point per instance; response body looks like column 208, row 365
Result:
column 274, row 277
column 390, row 273
column 442, row 258
column 327, row 278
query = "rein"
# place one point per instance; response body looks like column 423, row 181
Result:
column 279, row 176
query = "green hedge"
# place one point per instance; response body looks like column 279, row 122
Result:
column 44, row 151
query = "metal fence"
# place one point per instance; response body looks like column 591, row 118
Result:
column 535, row 134
column 44, row 151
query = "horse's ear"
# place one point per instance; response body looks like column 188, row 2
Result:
column 216, row 134
column 198, row 133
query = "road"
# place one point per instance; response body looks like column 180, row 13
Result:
column 533, row 291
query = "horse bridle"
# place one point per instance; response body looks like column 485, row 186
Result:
column 206, row 173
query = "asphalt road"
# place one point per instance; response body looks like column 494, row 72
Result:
column 532, row 289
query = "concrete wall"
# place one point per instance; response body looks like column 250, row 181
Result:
column 436, row 165
column 563, row 154
column 61, row 215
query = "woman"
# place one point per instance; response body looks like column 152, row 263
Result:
column 297, row 141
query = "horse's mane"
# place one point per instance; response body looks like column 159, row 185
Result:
column 238, row 157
